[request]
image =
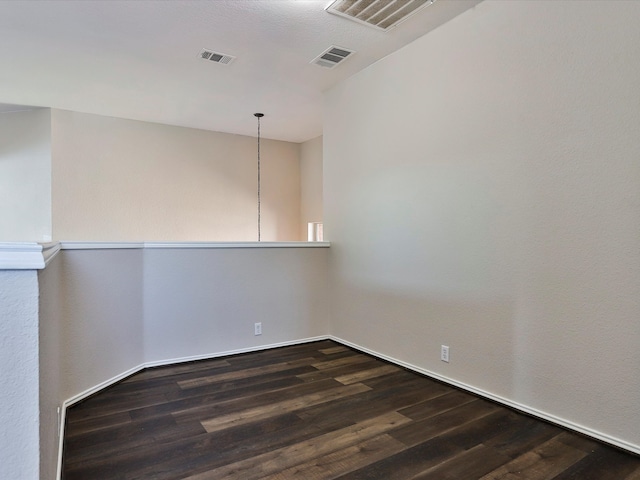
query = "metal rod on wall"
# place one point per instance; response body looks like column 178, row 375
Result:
column 258, row 116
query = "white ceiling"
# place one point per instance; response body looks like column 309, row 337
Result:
column 139, row 59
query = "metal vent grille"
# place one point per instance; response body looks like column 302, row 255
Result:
column 380, row 14
column 216, row 57
column 332, row 56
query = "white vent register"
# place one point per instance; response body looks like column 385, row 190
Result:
column 216, row 57
column 332, row 56
column 380, row 14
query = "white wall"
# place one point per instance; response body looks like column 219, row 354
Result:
column 102, row 332
column 206, row 301
column 52, row 351
column 124, row 180
column 19, row 422
column 311, row 183
column 489, row 200
column 25, row 176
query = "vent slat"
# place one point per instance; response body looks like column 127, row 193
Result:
column 339, row 52
column 332, row 58
column 388, row 12
column 377, row 7
column 345, row 5
column 359, row 7
column 403, row 13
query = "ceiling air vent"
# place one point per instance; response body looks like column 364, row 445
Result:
column 216, row 57
column 380, row 14
column 332, row 56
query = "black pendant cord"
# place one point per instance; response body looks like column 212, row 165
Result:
column 259, row 116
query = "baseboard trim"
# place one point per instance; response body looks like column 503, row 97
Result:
column 597, row 435
column 63, row 418
column 81, row 396
column 101, row 386
column 226, row 353
column 159, row 363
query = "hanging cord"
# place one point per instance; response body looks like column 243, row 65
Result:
column 258, row 115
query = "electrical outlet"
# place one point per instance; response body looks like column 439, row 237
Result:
column 257, row 328
column 444, row 353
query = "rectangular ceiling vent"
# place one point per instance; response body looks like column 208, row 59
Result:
column 332, row 56
column 216, row 57
column 380, row 14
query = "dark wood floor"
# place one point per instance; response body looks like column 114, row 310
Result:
column 316, row 411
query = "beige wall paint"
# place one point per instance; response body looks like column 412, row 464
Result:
column 311, row 183
column 102, row 333
column 25, row 176
column 124, row 180
column 489, row 200
column 204, row 301
column 105, row 311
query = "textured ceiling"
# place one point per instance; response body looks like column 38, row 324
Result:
column 139, row 59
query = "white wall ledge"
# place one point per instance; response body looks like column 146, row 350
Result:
column 183, row 245
column 26, row 255
column 100, row 245
column 36, row 256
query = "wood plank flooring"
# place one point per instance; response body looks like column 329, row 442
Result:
column 313, row 412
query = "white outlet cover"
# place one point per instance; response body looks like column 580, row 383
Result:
column 444, row 353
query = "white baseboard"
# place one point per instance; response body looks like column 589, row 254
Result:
column 81, row 396
column 63, row 419
column 101, row 386
column 603, row 437
column 171, row 361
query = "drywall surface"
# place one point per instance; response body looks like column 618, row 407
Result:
column 19, row 421
column 311, row 183
column 206, row 301
column 125, row 307
column 51, row 354
column 102, row 333
column 489, row 200
column 25, row 176
column 124, row 180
